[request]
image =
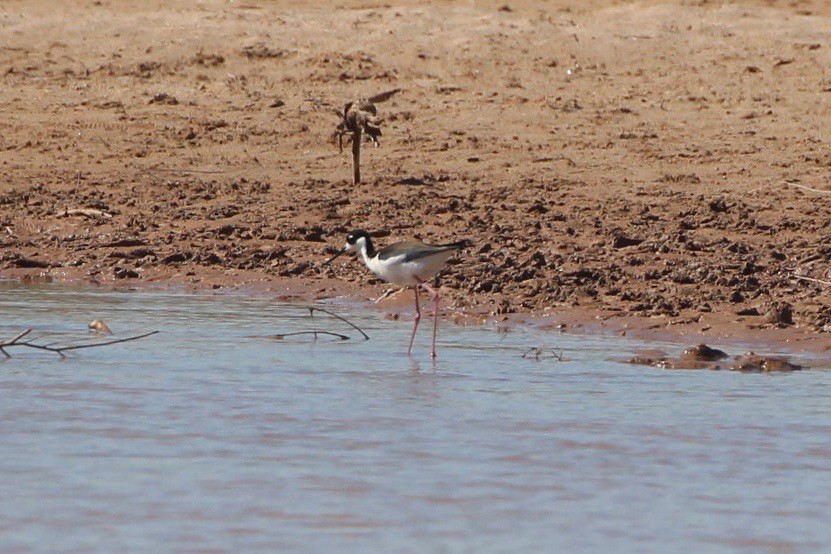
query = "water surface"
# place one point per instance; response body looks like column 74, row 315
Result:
column 208, row 438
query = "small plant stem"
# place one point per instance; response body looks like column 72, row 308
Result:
column 356, row 155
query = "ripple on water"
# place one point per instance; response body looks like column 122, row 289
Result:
column 211, row 438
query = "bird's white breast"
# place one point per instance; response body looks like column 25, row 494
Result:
column 394, row 270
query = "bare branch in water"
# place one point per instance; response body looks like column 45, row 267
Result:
column 281, row 336
column 17, row 340
column 13, row 341
column 537, row 353
column 312, row 310
column 314, row 333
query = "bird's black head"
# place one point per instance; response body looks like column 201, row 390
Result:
column 353, row 237
column 354, row 242
column 357, row 239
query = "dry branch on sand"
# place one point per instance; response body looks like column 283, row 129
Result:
column 18, row 341
column 360, row 118
column 809, row 189
column 86, row 212
column 811, row 280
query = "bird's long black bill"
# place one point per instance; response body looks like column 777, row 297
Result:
column 332, row 259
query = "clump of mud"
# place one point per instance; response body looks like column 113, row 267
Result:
column 706, row 357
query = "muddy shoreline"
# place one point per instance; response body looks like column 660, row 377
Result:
column 669, row 182
column 735, row 337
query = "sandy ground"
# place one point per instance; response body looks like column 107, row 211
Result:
column 659, row 167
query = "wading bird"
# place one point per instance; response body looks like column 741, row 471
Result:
column 410, row 263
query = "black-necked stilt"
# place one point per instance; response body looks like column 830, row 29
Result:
column 409, row 263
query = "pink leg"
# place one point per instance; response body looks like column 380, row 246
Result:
column 416, row 319
column 435, row 296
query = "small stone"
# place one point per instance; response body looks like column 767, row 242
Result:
column 125, row 273
column 99, row 327
column 164, row 98
column 703, row 353
column 779, row 313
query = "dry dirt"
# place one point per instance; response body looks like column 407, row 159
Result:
column 644, row 165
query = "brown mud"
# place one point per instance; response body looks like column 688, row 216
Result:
column 651, row 168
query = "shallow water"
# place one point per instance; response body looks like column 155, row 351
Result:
column 207, row 438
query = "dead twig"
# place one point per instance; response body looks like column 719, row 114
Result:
column 798, row 185
column 17, row 340
column 360, row 118
column 384, row 96
column 537, row 353
column 183, row 170
column 281, row 336
column 86, row 212
column 315, row 334
column 312, row 310
column 812, row 280
column 13, row 341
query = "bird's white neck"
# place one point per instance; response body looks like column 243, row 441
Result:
column 365, row 256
